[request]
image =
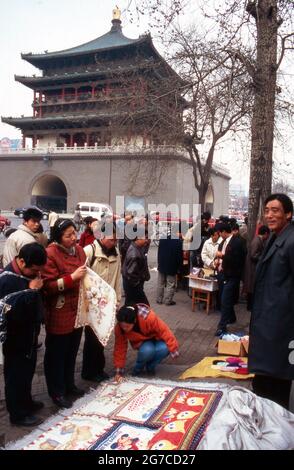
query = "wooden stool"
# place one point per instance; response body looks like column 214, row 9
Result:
column 201, row 295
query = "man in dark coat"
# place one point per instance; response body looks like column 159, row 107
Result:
column 170, row 261
column 230, row 262
column 135, row 272
column 255, row 251
column 272, row 320
column 21, row 315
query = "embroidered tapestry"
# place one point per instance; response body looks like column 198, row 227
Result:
column 125, row 436
column 183, row 417
column 96, row 306
column 72, row 433
column 110, row 399
column 140, row 407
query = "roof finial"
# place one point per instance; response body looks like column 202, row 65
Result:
column 116, row 13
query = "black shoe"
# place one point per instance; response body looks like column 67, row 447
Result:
column 220, row 332
column 150, row 372
column 29, row 420
column 97, row 378
column 171, row 303
column 62, row 402
column 231, row 322
column 75, row 392
column 36, row 405
column 159, row 302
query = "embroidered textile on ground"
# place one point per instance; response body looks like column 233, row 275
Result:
column 183, row 417
column 207, row 368
column 72, row 433
column 125, row 436
column 110, row 399
column 141, row 406
column 130, row 415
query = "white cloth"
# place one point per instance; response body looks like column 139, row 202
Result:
column 96, row 306
column 245, row 421
column 224, row 247
column 52, row 218
column 208, row 252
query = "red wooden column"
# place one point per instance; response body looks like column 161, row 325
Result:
column 87, row 139
column 93, row 92
column 76, row 94
column 107, row 89
column 23, row 141
column 40, row 102
column 34, row 106
column 62, row 94
column 34, row 141
column 71, row 140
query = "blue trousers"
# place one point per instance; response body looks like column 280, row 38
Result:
column 150, row 354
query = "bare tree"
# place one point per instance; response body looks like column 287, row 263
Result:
column 218, row 101
column 264, row 27
column 268, row 19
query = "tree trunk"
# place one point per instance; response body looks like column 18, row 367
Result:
column 262, row 132
column 202, row 194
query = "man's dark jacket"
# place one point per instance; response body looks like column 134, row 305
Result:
column 25, row 315
column 234, row 258
column 135, row 268
column 170, row 256
column 271, row 342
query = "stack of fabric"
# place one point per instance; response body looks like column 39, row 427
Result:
column 219, row 366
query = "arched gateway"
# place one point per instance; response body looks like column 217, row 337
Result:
column 49, row 192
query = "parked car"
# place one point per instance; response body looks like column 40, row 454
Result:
column 20, row 210
column 93, row 209
column 4, row 223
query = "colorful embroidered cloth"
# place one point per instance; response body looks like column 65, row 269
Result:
column 204, row 369
column 110, row 399
column 72, row 433
column 182, row 417
column 96, row 306
column 140, row 407
column 125, row 436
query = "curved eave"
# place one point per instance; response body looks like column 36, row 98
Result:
column 33, row 82
column 168, row 67
column 38, row 60
column 28, row 122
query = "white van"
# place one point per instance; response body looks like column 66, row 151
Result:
column 93, row 209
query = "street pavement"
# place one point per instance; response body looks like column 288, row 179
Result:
column 195, row 334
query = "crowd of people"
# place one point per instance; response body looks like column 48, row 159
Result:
column 41, row 279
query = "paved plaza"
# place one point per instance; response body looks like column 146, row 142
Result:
column 194, row 331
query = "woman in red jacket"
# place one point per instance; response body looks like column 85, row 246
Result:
column 147, row 333
column 64, row 269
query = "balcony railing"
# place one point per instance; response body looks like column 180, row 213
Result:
column 117, row 149
column 80, row 97
column 167, row 151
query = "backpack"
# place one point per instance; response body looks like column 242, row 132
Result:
column 93, row 257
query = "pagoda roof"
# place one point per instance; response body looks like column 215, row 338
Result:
column 29, row 122
column 114, row 39
column 105, row 71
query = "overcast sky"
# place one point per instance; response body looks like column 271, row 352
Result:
column 39, row 25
